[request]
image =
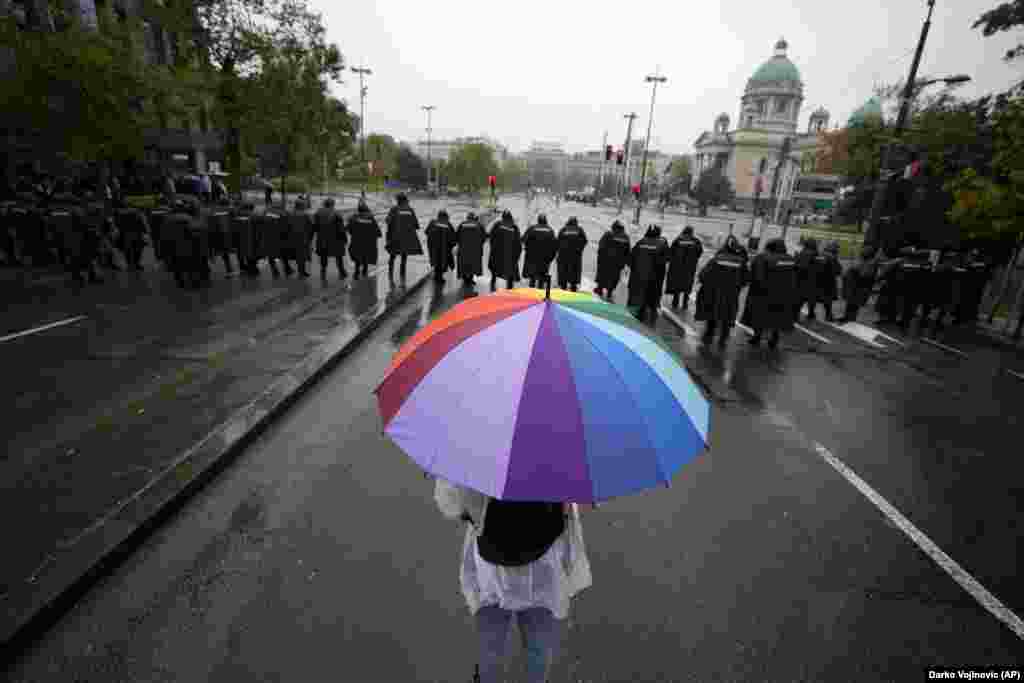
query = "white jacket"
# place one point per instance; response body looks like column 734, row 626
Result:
column 550, row 581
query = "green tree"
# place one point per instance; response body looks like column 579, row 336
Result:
column 1007, row 16
column 713, row 189
column 382, row 150
column 469, row 166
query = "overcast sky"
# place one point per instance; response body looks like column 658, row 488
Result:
column 567, row 72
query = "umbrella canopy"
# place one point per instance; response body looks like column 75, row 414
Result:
column 525, row 398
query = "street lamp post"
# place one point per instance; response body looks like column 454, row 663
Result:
column 625, row 172
column 878, row 202
column 428, row 108
column 654, row 81
column 362, row 71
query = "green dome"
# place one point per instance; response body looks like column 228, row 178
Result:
column 872, row 109
column 778, row 68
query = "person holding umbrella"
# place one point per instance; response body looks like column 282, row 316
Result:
column 570, row 402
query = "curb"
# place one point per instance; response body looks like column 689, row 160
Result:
column 112, row 540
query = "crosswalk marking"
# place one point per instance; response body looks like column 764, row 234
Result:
column 41, row 328
column 812, row 334
column 857, row 331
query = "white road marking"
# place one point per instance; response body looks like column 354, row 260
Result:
column 879, row 333
column 1016, row 374
column 678, row 322
column 939, row 345
column 25, row 333
column 744, row 328
column 813, row 335
column 857, row 333
column 948, row 564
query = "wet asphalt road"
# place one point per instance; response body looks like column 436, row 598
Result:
column 319, row 555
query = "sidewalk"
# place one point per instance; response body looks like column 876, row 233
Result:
column 113, row 417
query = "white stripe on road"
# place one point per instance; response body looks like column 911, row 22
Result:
column 894, row 340
column 939, row 345
column 744, row 328
column 853, row 332
column 947, row 563
column 25, row 333
column 678, row 322
column 1016, row 374
column 811, row 334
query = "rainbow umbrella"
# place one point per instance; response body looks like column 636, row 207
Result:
column 523, row 397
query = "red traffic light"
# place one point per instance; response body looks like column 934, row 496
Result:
column 492, row 180
column 608, row 153
column 618, row 157
column 636, row 191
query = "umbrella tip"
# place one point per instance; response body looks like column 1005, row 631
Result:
column 547, row 288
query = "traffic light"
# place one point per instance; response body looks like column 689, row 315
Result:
column 636, row 191
column 608, row 153
column 618, row 158
column 492, row 181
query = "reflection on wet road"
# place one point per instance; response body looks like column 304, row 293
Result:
column 320, row 555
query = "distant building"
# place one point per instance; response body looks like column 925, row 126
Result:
column 443, row 149
column 769, row 110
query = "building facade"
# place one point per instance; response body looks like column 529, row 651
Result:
column 443, row 149
column 762, row 155
column 188, row 144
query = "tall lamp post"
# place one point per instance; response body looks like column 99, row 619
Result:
column 654, row 81
column 362, row 71
column 881, row 188
column 428, row 108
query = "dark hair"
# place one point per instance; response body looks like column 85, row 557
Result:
column 688, row 230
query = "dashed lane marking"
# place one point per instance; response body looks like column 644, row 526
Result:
column 812, row 334
column 947, row 563
column 942, row 346
column 678, row 322
column 744, row 328
column 41, row 328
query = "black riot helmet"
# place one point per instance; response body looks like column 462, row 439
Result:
column 573, row 221
column 688, row 231
column 506, row 215
column 776, row 245
column 542, row 219
column 401, row 198
column 471, row 216
column 617, row 226
column 650, row 232
column 362, row 207
column 442, row 215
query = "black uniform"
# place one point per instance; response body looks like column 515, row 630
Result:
column 721, row 280
column 826, row 271
column 916, row 276
column 974, row 281
column 772, row 293
column 131, row 223
column 440, row 245
column 808, row 268
column 298, row 233
column 890, row 295
column 363, row 233
column 244, row 235
column 571, row 243
column 684, row 254
column 612, row 256
column 470, row 238
column 401, row 239
column 175, row 244
column 941, row 291
column 221, row 242
column 646, row 272
column 539, row 249
column 503, row 260
column 858, row 281
column 331, row 239
column 156, row 222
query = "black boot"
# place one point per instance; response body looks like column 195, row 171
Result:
column 675, row 301
column 773, row 341
column 494, row 282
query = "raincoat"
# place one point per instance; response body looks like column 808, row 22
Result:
column 329, row 228
column 440, row 244
column 571, row 243
column 401, row 234
column 721, row 280
column 540, row 246
column 612, row 257
column 551, row 581
column 364, row 232
column 646, row 270
column 858, row 281
column 244, row 234
column 503, row 261
column 771, row 301
column 684, row 254
column 471, row 237
column 297, row 235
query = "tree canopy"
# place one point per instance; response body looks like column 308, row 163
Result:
column 412, row 170
column 470, row 164
column 713, row 188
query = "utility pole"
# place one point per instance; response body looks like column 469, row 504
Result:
column 625, row 171
column 654, row 81
column 600, row 173
column 362, row 71
column 872, row 237
column 428, row 108
column 787, row 145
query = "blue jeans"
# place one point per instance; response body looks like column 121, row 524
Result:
column 539, row 630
